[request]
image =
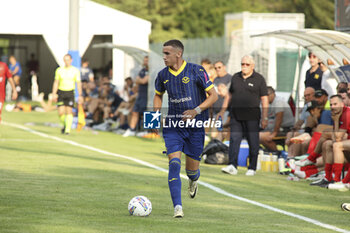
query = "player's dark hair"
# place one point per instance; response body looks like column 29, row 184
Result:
column 175, row 44
column 337, row 96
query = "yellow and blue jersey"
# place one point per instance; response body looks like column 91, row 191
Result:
column 186, row 88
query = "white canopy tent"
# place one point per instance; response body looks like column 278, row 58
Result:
column 325, row 44
column 50, row 18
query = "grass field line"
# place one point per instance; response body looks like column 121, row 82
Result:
column 205, row 184
column 24, row 140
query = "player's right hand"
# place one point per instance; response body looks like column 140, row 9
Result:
column 14, row 95
column 54, row 97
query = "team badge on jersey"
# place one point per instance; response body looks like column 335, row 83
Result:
column 185, row 79
column 316, row 76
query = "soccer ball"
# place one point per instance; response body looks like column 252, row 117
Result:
column 140, row 206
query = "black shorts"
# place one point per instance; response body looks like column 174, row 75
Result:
column 65, row 98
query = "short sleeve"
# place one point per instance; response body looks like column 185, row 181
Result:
column 159, row 85
column 203, row 79
column 77, row 78
column 57, row 74
column 263, row 88
column 279, row 107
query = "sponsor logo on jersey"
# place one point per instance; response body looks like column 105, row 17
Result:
column 181, row 100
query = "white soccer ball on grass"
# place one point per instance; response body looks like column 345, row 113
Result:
column 140, row 206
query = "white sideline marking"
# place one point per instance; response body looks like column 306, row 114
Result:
column 212, row 187
column 24, row 140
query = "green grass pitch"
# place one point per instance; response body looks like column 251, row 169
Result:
column 51, row 186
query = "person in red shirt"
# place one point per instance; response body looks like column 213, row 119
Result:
column 341, row 146
column 341, row 126
column 5, row 74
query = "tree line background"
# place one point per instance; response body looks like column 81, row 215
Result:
column 205, row 18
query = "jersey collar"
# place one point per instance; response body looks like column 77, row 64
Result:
column 176, row 73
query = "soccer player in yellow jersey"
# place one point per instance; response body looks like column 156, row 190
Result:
column 63, row 92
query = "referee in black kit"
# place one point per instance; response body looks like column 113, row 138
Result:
column 247, row 90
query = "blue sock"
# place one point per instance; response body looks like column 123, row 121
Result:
column 193, row 175
column 174, row 181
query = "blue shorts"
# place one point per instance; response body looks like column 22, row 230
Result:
column 187, row 140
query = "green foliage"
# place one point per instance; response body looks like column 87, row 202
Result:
column 318, row 13
column 205, row 18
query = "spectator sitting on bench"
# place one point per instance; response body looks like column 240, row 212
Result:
column 279, row 116
column 318, row 121
column 309, row 95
